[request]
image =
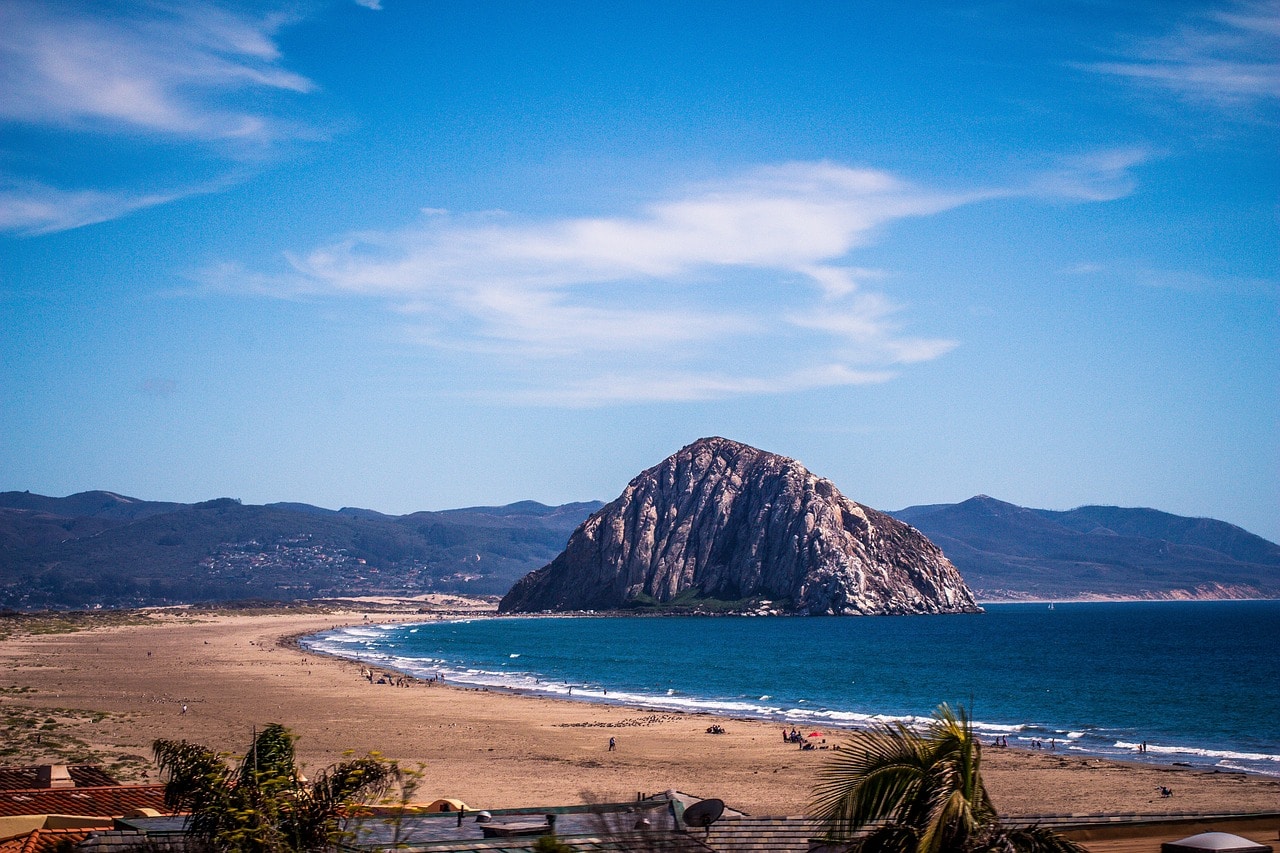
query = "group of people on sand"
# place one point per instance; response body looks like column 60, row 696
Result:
column 1002, row 740
column 796, row 737
column 373, row 677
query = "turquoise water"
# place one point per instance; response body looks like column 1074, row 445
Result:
column 1198, row 681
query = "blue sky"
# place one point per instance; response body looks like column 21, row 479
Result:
column 419, row 255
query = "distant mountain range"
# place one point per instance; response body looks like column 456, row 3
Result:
column 100, row 548
column 1006, row 551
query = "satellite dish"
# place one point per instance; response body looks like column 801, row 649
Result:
column 703, row 813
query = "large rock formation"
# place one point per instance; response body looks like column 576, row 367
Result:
column 721, row 520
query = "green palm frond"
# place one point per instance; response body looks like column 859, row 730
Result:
column 892, row 790
column 197, row 776
column 1033, row 839
column 263, row 806
column 270, row 756
column 871, row 778
column 316, row 818
column 890, row 838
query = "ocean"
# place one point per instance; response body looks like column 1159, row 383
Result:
column 1197, row 681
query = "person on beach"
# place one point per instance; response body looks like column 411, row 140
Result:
column 613, row 744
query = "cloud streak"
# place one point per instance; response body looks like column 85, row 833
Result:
column 173, row 70
column 191, row 74
column 1229, row 59
column 742, row 286
column 29, row 208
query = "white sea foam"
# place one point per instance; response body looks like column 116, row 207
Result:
column 358, row 632
column 761, row 708
column 371, row 643
column 1264, row 771
column 997, row 728
column 1222, row 754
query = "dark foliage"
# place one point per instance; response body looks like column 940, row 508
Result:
column 263, row 805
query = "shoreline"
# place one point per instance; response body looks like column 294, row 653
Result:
column 1055, row 741
column 1113, row 600
column 110, row 691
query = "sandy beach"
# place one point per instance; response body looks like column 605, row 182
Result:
column 103, row 695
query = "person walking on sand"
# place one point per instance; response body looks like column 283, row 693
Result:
column 613, row 744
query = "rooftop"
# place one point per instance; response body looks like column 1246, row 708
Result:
column 104, row 801
column 44, row 840
column 82, row 776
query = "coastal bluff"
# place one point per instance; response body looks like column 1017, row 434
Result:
column 725, row 522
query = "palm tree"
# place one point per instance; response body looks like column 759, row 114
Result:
column 893, row 790
column 264, row 805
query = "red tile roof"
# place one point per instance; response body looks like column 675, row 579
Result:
column 105, row 801
column 45, row 840
column 84, row 775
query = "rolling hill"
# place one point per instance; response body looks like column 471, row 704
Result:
column 100, row 548
column 105, row 549
column 1007, row 551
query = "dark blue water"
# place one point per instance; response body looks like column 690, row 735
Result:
column 1198, row 681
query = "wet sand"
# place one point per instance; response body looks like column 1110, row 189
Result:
column 117, row 689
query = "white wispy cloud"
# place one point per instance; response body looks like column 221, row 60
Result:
column 617, row 387
column 184, row 73
column 1143, row 274
column 1229, row 57
column 28, row 207
column 1096, row 176
column 742, row 286
column 173, row 69
column 1188, row 281
column 796, row 217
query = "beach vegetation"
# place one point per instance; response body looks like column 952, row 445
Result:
column 263, row 804
column 692, row 601
column 50, row 736
column 892, row 789
column 14, row 623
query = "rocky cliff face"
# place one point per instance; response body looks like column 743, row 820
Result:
column 726, row 521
